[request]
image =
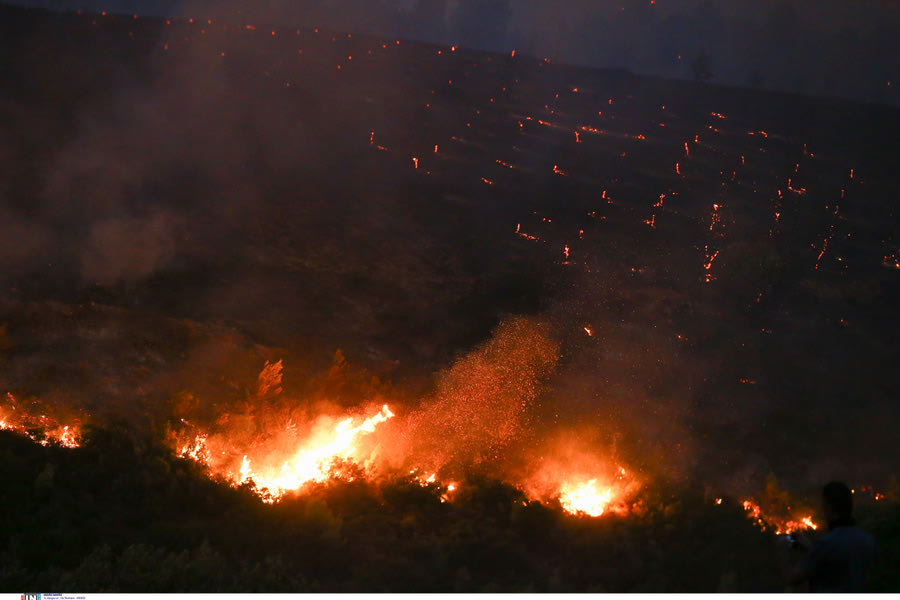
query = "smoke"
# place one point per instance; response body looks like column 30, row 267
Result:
column 25, row 240
column 834, row 48
column 128, row 249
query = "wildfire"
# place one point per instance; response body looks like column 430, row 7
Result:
column 314, row 460
column 596, row 496
column 780, row 525
column 432, row 480
column 586, row 498
column 41, row 428
column 196, row 449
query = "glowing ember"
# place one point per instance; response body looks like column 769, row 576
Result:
column 710, row 258
column 432, row 480
column 522, row 234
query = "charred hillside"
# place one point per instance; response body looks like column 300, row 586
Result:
column 535, row 265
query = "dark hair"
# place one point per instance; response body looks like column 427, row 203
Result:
column 839, row 497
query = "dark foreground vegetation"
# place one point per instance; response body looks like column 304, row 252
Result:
column 122, row 514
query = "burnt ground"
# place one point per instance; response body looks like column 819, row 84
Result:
column 180, row 202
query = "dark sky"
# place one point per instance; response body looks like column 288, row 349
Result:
column 848, row 48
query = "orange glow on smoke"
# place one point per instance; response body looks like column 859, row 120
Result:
column 478, row 410
column 279, row 445
column 570, row 468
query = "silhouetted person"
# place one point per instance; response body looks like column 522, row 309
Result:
column 840, row 560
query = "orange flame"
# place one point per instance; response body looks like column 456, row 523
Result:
column 314, row 460
column 780, row 525
column 41, row 428
column 586, row 498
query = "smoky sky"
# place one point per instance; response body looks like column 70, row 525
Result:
column 829, row 48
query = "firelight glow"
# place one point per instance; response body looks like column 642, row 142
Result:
column 587, row 498
column 314, row 461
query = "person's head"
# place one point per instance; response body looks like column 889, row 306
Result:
column 837, row 500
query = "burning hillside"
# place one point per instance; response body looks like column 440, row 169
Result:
column 476, row 419
column 29, row 419
column 498, row 314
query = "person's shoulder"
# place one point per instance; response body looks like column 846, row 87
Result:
column 853, row 535
column 859, row 532
column 865, row 536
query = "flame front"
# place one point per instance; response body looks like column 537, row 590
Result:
column 588, row 498
column 314, row 462
column 780, row 525
column 41, row 427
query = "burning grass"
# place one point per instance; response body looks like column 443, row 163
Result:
column 178, row 530
column 32, row 419
column 474, row 420
column 573, row 522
